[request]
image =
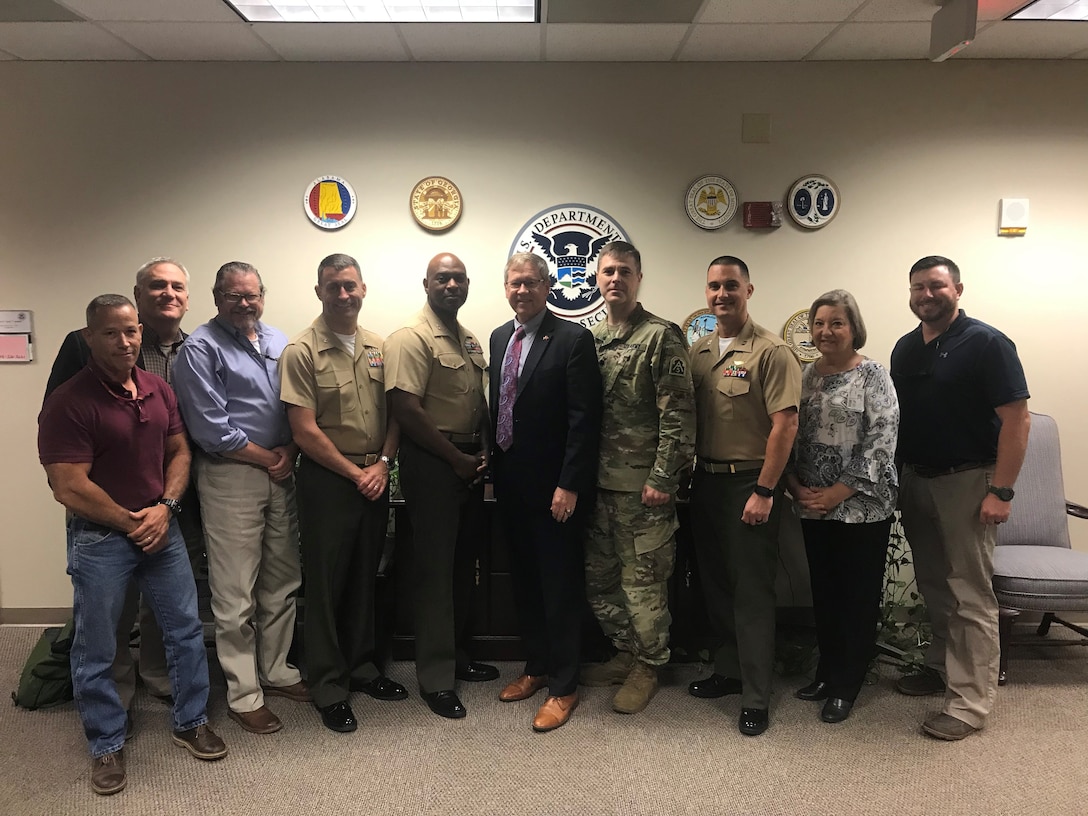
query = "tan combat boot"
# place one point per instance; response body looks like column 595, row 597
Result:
column 638, row 688
column 612, row 673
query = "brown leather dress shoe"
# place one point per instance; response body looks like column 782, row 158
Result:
column 260, row 721
column 296, row 691
column 108, row 774
column 555, row 712
column 523, row 688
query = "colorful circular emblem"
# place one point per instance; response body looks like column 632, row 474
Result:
column 436, row 203
column 329, row 202
column 699, row 324
column 798, row 337
column 711, row 202
column 570, row 237
column 813, row 201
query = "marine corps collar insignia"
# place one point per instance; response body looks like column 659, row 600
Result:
column 374, row 358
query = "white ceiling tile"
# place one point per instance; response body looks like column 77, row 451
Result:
column 333, row 42
column 897, row 11
column 876, row 41
column 778, row 11
column 473, row 42
column 1028, row 39
column 63, row 41
column 989, row 10
column 748, row 42
column 179, row 11
column 613, row 43
column 200, row 42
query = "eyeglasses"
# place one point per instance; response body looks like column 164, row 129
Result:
column 238, row 297
column 531, row 285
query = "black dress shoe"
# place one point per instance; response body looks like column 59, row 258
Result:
column 714, row 686
column 445, row 704
column 477, row 673
column 381, row 688
column 816, row 690
column 338, row 717
column 753, row 721
column 836, row 710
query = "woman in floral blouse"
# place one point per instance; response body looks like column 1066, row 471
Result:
column 844, row 483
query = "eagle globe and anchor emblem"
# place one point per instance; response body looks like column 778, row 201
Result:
column 570, row 238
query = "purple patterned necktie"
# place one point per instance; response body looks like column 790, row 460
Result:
column 508, row 392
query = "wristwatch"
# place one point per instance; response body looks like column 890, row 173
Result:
column 173, row 505
column 765, row 492
column 387, row 460
column 1003, row 493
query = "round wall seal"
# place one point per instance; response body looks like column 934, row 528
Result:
column 813, row 201
column 698, row 324
column 798, row 337
column 569, row 237
column 436, row 203
column 711, row 202
column 329, row 202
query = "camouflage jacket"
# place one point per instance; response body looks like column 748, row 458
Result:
column 648, row 428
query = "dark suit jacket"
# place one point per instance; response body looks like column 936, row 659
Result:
column 557, row 414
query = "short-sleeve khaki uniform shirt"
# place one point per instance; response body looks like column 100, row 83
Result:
column 736, row 393
column 444, row 370
column 347, row 393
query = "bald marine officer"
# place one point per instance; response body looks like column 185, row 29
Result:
column 435, row 381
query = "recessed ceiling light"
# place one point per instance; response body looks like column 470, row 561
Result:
column 386, row 11
column 1053, row 10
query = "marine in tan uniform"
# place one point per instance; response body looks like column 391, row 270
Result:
column 435, row 379
column 747, row 390
column 647, row 440
column 332, row 380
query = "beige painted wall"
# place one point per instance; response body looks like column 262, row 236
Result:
column 105, row 165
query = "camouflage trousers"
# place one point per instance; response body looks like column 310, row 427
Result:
column 630, row 555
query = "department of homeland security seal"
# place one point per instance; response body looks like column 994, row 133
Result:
column 329, row 202
column 435, row 203
column 570, row 237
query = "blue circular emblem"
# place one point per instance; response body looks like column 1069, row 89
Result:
column 813, row 201
column 570, row 237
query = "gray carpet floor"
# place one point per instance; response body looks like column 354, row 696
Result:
column 681, row 755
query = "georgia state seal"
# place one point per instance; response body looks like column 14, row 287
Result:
column 570, row 237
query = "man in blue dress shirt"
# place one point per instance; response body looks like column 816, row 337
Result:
column 228, row 385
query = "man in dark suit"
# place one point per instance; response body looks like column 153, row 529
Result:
column 545, row 397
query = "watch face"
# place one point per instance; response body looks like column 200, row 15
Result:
column 1003, row 493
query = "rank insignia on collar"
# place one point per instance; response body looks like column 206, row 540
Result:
column 677, row 367
column 736, row 369
column 374, row 358
column 473, row 347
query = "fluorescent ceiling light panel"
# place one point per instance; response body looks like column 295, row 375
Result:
column 386, row 11
column 1053, row 10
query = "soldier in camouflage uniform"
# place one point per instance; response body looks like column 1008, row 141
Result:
column 647, row 440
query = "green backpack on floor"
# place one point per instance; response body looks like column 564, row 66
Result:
column 47, row 676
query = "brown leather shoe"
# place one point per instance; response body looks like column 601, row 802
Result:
column 296, row 691
column 108, row 774
column 259, row 721
column 555, row 712
column 201, row 742
column 523, row 688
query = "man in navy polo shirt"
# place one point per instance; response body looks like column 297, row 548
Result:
column 962, row 436
column 113, row 446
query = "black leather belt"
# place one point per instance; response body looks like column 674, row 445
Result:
column 927, row 472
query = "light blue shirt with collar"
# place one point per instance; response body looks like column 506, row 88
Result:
column 228, row 391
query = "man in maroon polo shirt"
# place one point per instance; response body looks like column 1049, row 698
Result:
column 113, row 446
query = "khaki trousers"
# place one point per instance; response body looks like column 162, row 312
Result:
column 954, row 566
column 251, row 534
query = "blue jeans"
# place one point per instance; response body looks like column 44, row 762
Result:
column 101, row 563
